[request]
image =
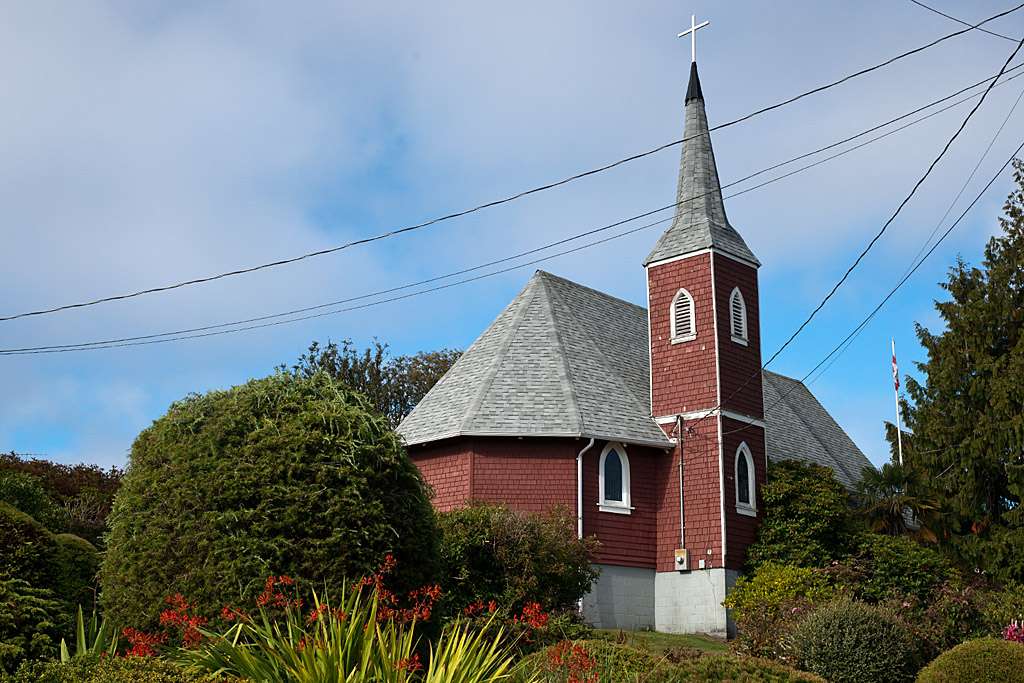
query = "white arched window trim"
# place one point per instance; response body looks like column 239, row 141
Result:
column 738, row 316
column 621, row 507
column 743, row 455
column 683, row 297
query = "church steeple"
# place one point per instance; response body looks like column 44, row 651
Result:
column 700, row 221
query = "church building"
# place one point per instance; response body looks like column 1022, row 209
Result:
column 654, row 425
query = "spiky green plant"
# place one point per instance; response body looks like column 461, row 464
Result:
column 97, row 641
column 346, row 645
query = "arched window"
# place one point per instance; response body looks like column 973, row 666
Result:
column 684, row 327
column 738, row 316
column 746, row 497
column 614, row 480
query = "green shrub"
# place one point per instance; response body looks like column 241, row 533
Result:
column 885, row 567
column 728, row 669
column 986, row 660
column 28, row 548
column 111, row 670
column 807, row 522
column 282, row 475
column 79, row 562
column 853, row 642
column 1003, row 606
column 27, row 628
column 26, row 492
column 767, row 605
column 491, row 552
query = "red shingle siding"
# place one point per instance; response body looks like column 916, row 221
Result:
column 526, row 474
column 701, row 497
column 629, row 540
column 446, row 467
column 741, row 530
column 683, row 374
column 740, row 365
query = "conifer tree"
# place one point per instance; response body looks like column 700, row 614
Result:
column 967, row 417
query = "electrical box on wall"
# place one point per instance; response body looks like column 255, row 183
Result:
column 683, row 560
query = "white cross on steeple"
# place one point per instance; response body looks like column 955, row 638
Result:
column 693, row 35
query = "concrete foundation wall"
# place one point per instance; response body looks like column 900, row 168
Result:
column 691, row 602
column 623, row 598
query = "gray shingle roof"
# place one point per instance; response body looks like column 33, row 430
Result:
column 566, row 360
column 560, row 360
column 700, row 221
column 799, row 428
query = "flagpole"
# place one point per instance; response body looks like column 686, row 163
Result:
column 896, row 389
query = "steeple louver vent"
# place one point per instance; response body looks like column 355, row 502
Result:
column 682, row 317
column 738, row 313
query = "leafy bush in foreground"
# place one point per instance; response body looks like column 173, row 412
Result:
column 491, row 552
column 985, row 660
column 853, row 642
column 282, row 474
column 767, row 605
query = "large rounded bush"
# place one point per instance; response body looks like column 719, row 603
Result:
column 79, row 562
column 985, row 660
column 282, row 475
column 853, row 642
column 28, row 548
column 90, row 669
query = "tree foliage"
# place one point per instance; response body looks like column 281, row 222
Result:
column 85, row 492
column 807, row 522
column 967, row 417
column 393, row 384
column 282, row 475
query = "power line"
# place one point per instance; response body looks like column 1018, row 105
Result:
column 899, row 284
column 914, row 263
column 505, row 200
column 913, row 191
column 180, row 334
column 961, row 21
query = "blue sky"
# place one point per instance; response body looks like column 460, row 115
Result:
column 147, row 144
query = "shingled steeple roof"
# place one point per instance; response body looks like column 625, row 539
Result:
column 700, row 221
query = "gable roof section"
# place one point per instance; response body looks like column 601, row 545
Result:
column 799, row 428
column 699, row 222
column 560, row 360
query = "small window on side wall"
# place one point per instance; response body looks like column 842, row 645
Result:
column 746, row 496
column 738, row 316
column 614, row 480
column 683, row 325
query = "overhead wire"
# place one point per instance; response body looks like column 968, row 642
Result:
column 178, row 335
column 899, row 284
column 504, row 200
column 961, row 21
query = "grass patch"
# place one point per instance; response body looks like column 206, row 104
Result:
column 658, row 643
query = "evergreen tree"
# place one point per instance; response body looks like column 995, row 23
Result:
column 967, row 418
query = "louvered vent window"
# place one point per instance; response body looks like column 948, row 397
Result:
column 683, row 327
column 738, row 312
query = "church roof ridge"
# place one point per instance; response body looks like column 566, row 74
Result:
column 700, row 221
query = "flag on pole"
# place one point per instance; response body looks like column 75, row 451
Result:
column 895, row 372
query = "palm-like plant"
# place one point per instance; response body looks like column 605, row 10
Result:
column 895, row 501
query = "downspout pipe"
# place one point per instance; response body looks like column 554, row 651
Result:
column 579, row 488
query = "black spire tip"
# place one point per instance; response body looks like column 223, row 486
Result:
column 693, row 90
